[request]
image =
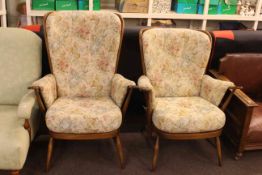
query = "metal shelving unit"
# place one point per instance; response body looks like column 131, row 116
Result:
column 204, row 18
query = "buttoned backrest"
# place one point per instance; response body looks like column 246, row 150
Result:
column 175, row 60
column 83, row 51
column 20, row 63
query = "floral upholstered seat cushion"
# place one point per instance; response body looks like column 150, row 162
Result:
column 83, row 115
column 187, row 115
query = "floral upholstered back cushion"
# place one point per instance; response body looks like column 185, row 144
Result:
column 175, row 60
column 83, row 49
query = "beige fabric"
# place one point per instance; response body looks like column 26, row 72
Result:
column 175, row 60
column 214, row 90
column 119, row 88
column 187, row 115
column 144, row 83
column 83, row 50
column 83, row 115
column 47, row 85
column 14, row 139
column 28, row 109
column 20, row 63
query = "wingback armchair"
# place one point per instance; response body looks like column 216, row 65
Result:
column 182, row 102
column 20, row 65
column 83, row 98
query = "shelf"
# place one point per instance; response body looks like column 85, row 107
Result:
column 204, row 18
column 231, row 17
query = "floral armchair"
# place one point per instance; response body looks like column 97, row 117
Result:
column 20, row 65
column 182, row 102
column 83, row 98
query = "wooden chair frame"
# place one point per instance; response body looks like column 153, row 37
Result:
column 150, row 128
column 89, row 136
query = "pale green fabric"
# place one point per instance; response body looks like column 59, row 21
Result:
column 14, row 139
column 28, row 109
column 20, row 63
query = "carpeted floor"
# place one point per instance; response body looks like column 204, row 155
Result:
column 176, row 157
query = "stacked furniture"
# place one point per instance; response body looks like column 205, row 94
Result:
column 20, row 65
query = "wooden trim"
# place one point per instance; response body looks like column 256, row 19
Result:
column 28, row 128
column 15, row 172
column 243, row 144
column 121, row 40
column 46, row 41
column 188, row 136
column 39, row 98
column 127, row 100
column 89, row 136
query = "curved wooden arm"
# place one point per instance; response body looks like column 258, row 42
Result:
column 127, row 99
column 39, row 98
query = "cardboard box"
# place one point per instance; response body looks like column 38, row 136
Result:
column 66, row 4
column 43, row 4
column 132, row 6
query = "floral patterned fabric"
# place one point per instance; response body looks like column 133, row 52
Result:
column 144, row 83
column 83, row 49
column 119, row 88
column 214, row 90
column 47, row 85
column 83, row 115
column 187, row 115
column 175, row 60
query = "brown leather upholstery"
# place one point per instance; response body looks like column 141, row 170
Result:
column 255, row 128
column 244, row 70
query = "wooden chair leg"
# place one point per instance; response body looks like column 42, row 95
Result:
column 15, row 172
column 49, row 153
column 219, row 152
column 119, row 150
column 156, row 151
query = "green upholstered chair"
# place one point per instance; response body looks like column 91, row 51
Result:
column 20, row 65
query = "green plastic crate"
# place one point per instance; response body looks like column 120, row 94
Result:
column 227, row 8
column 212, row 9
column 66, row 4
column 184, row 6
column 84, row 4
column 43, row 4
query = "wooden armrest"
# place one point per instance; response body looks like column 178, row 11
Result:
column 238, row 92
